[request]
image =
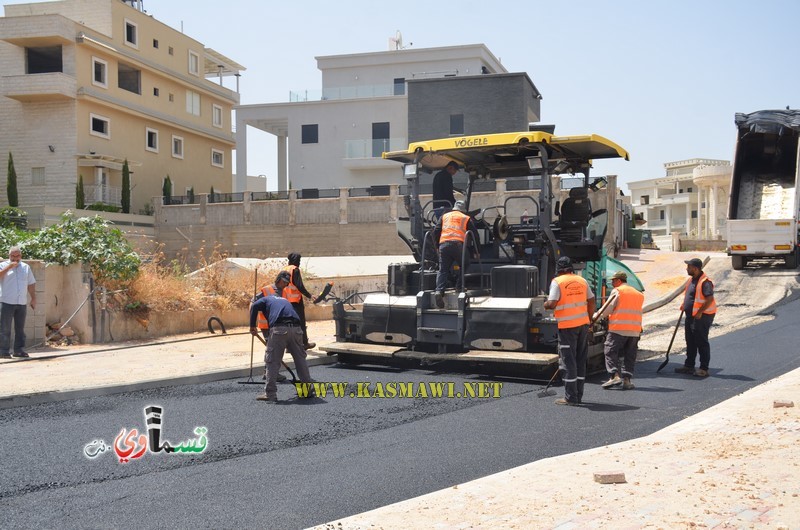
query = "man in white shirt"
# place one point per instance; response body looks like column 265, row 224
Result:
column 16, row 282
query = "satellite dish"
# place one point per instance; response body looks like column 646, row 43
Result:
column 396, row 42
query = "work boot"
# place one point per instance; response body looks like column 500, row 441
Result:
column 627, row 385
column 268, row 399
column 5, row 355
column 701, row 373
column 613, row 381
column 439, row 300
column 684, row 370
column 309, row 345
column 20, row 354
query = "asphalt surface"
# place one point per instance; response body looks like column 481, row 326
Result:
column 300, row 463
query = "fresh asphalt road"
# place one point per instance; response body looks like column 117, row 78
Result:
column 300, row 463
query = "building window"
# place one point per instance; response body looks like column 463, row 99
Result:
column 216, row 115
column 155, row 91
column 130, row 78
column 217, row 158
column 380, row 138
column 131, row 34
column 151, row 139
column 662, row 215
column 155, row 43
column 177, row 146
column 171, row 50
column 689, row 190
column 457, row 124
column 171, row 98
column 99, row 126
column 194, row 63
column 694, row 214
column 37, row 176
column 645, row 199
column 43, row 60
column 99, row 72
column 193, row 102
column 310, row 134
column 399, row 86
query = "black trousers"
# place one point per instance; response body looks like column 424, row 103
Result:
column 300, row 309
column 696, row 331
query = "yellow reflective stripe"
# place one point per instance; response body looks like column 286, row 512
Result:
column 623, row 322
column 627, row 312
column 573, row 317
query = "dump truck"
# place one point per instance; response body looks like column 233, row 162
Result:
column 763, row 207
column 497, row 320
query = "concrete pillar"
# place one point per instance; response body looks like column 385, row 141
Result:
column 500, row 192
column 283, row 178
column 344, row 194
column 688, row 218
column 203, row 207
column 292, row 207
column 700, row 234
column 394, row 193
column 246, row 204
column 668, row 218
column 714, row 212
column 240, row 179
column 35, row 320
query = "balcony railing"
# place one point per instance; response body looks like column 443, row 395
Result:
column 41, row 87
column 347, row 92
column 373, row 148
column 106, row 194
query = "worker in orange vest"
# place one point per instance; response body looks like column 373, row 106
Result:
column 572, row 301
column 276, row 289
column 295, row 291
column 449, row 234
column 700, row 307
column 624, row 310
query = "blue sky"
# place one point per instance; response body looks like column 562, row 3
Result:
column 662, row 79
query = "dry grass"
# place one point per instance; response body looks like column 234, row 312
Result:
column 165, row 286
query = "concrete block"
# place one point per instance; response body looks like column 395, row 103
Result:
column 610, row 477
column 778, row 403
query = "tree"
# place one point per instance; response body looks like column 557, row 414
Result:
column 166, row 190
column 11, row 183
column 126, row 188
column 211, row 195
column 190, row 195
column 80, row 197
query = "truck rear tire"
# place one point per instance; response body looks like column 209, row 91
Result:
column 738, row 262
column 791, row 260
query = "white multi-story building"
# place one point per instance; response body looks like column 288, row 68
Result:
column 691, row 199
column 334, row 137
column 88, row 84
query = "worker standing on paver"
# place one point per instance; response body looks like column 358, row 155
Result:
column 700, row 307
column 450, row 234
column 624, row 310
column 573, row 302
column 285, row 332
column 295, row 291
column 276, row 288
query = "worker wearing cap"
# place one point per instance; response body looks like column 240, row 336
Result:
column 285, row 332
column 572, row 301
column 443, row 198
column 449, row 234
column 624, row 311
column 700, row 307
column 281, row 281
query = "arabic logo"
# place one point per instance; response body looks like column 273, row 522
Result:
column 130, row 445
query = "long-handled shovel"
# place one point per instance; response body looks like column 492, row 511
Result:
column 294, row 377
column 547, row 391
column 249, row 380
column 675, row 332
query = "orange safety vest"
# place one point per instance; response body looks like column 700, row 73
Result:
column 454, row 226
column 699, row 299
column 572, row 309
column 627, row 314
column 291, row 292
column 262, row 319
